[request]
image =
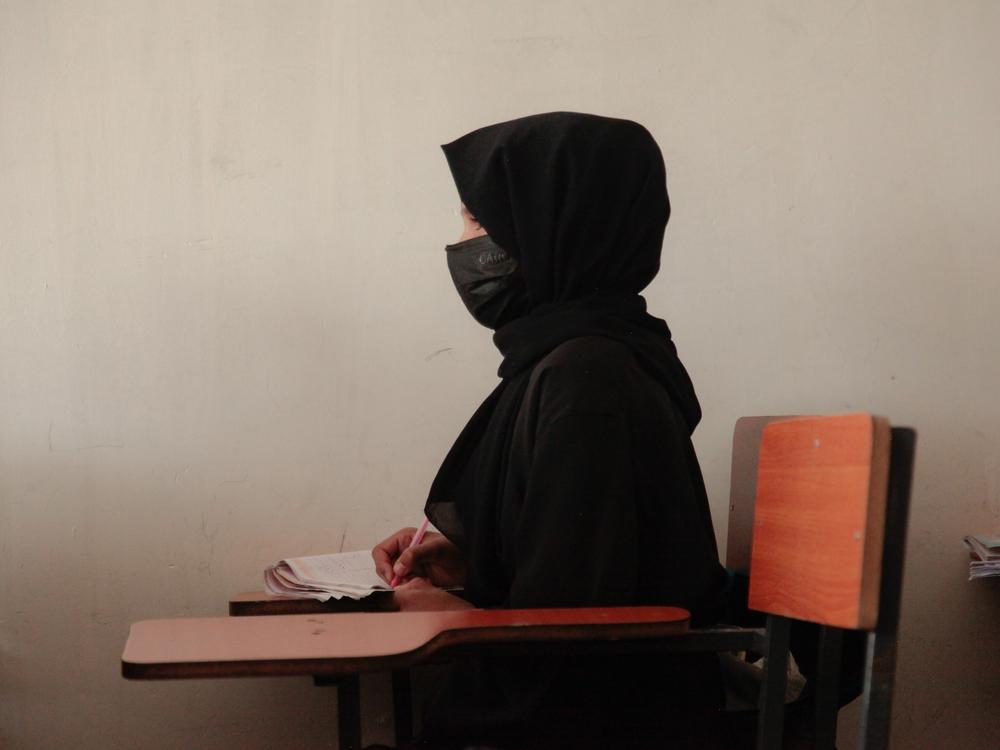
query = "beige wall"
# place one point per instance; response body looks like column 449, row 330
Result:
column 228, row 334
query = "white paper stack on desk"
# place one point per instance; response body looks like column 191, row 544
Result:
column 985, row 555
column 323, row 577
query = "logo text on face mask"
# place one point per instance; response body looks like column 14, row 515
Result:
column 492, row 256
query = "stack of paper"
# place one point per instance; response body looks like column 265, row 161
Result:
column 985, row 557
column 323, row 577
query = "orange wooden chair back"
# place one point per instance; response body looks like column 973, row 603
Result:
column 819, row 519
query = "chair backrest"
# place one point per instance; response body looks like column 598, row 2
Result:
column 818, row 516
column 819, row 519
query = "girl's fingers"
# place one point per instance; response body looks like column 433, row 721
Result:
column 404, row 562
column 413, row 558
column 388, row 550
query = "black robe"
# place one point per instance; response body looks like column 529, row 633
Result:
column 576, row 483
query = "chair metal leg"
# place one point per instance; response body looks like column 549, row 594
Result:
column 827, row 687
column 771, row 713
column 402, row 705
column 348, row 708
column 880, row 659
column 349, row 713
column 876, row 705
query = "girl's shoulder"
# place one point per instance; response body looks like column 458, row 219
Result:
column 588, row 374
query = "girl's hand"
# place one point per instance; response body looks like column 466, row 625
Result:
column 435, row 558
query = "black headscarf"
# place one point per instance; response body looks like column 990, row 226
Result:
column 581, row 202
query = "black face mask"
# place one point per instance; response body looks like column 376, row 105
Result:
column 488, row 281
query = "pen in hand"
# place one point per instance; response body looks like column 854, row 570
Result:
column 417, row 539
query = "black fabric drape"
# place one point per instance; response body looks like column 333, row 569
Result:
column 575, row 482
column 581, row 201
column 466, row 495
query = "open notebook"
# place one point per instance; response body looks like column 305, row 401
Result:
column 323, row 577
